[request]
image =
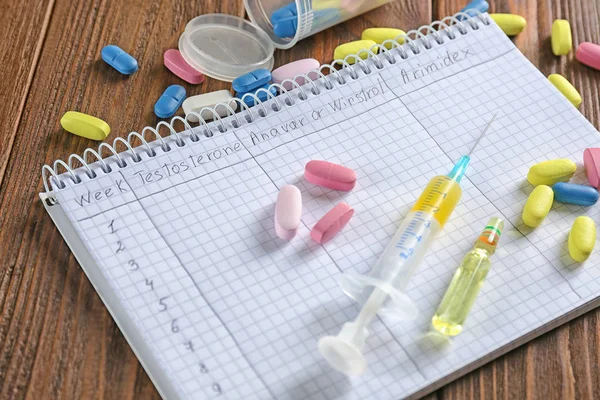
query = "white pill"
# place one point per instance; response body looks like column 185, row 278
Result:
column 198, row 102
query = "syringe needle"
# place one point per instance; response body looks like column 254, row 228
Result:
column 482, row 133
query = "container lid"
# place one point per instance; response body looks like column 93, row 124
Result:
column 225, row 46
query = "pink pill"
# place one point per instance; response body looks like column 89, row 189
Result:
column 330, row 175
column 288, row 210
column 331, row 223
column 591, row 162
column 589, row 54
column 177, row 65
column 290, row 70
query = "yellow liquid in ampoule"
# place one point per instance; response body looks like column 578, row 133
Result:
column 462, row 292
column 467, row 281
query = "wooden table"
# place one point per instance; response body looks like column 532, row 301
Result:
column 56, row 338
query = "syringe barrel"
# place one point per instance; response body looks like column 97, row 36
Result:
column 400, row 259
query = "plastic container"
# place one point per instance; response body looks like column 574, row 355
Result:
column 313, row 15
column 225, row 46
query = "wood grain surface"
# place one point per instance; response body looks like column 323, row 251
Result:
column 57, row 341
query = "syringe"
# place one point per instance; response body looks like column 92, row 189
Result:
column 382, row 291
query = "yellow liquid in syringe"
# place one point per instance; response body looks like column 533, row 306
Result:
column 439, row 198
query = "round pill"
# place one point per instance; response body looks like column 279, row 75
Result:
column 591, row 163
column 349, row 48
column 379, row 35
column 537, row 206
column 562, row 43
column 330, row 175
column 84, row 125
column 572, row 193
column 331, row 223
column 120, row 60
column 582, row 238
column 288, row 210
column 551, row 171
column 170, row 101
column 177, row 65
column 566, row 88
column 511, row 24
column 589, row 54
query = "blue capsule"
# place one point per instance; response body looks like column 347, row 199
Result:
column 575, row 194
column 262, row 95
column 479, row 5
column 170, row 101
column 286, row 27
column 288, row 11
column 117, row 58
column 251, row 81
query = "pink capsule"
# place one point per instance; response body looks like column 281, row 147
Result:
column 589, row 54
column 331, row 223
column 288, row 210
column 330, row 175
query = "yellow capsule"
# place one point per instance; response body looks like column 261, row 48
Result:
column 379, row 35
column 562, row 43
column 325, row 4
column 346, row 49
column 84, row 125
column 582, row 238
column 550, row 172
column 565, row 87
column 538, row 205
column 511, row 24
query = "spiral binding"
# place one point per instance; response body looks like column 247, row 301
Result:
column 414, row 42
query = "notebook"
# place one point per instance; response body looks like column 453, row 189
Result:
column 180, row 244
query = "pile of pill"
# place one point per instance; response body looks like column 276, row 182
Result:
column 551, row 181
column 288, row 207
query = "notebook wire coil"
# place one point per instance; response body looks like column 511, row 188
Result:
column 314, row 81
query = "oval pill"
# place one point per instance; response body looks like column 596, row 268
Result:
column 589, row 54
column 551, row 171
column 379, row 35
column 479, row 5
column 330, row 175
column 582, row 238
column 290, row 70
column 197, row 103
column 288, row 210
column 572, row 193
column 354, row 47
column 286, row 26
column 120, row 60
column 331, row 223
column 84, row 125
column 566, row 88
column 177, row 65
column 591, row 163
column 251, row 81
column 561, row 39
column 284, row 12
column 538, row 205
column 511, row 24
column 261, row 94
column 169, row 101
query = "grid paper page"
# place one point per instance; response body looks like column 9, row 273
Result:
column 187, row 243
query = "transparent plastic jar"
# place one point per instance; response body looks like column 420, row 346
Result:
column 313, row 15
